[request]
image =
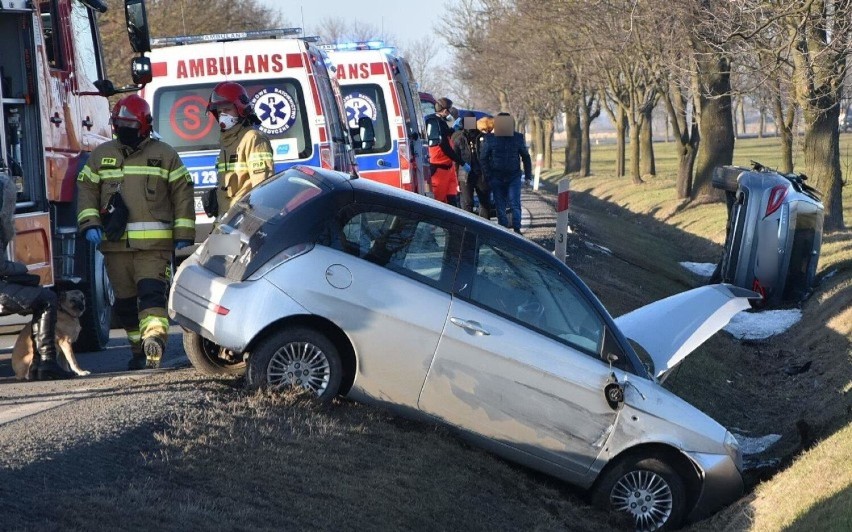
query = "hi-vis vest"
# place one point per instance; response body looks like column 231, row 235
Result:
column 244, row 162
column 155, row 186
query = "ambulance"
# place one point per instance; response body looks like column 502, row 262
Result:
column 53, row 113
column 299, row 105
column 378, row 84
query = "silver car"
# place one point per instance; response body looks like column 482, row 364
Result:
column 346, row 286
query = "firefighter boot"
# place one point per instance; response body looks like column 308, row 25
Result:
column 154, row 348
column 137, row 357
column 45, row 346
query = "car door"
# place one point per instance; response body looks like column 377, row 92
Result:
column 519, row 359
column 389, row 290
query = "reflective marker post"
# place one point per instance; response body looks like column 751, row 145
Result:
column 537, row 170
column 562, row 228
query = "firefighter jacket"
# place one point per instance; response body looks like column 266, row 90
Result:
column 155, row 186
column 245, row 161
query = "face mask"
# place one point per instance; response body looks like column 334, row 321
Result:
column 129, row 136
column 227, row 121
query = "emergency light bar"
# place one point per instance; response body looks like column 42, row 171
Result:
column 220, row 37
column 359, row 45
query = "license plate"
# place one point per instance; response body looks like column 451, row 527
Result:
column 199, row 205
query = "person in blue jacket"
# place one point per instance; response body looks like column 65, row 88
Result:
column 503, row 152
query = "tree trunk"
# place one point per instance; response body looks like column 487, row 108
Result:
column 586, row 118
column 634, row 128
column 621, row 141
column 504, row 100
column 741, row 111
column 539, row 136
column 548, row 143
column 646, row 145
column 822, row 160
column 686, row 162
column 784, row 127
column 716, row 125
column 573, row 135
column 534, row 127
column 762, row 123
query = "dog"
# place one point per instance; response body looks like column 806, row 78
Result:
column 72, row 304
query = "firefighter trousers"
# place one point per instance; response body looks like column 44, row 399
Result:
column 140, row 280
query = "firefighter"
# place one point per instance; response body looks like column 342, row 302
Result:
column 245, row 156
column 135, row 201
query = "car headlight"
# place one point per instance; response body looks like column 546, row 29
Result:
column 279, row 259
column 734, row 450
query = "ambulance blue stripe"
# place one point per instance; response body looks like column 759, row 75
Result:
column 370, row 161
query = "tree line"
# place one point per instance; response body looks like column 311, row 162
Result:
column 625, row 58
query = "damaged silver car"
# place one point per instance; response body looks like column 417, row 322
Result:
column 347, row 287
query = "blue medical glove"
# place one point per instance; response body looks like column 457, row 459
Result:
column 457, row 125
column 180, row 244
column 94, row 235
column 466, row 167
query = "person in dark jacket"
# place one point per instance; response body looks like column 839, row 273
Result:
column 467, row 144
column 442, row 156
column 20, row 294
column 503, row 152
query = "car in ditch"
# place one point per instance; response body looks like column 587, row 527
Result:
column 344, row 286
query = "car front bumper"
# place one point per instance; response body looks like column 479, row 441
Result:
column 228, row 313
column 722, row 483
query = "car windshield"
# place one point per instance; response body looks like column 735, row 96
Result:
column 181, row 117
column 367, row 100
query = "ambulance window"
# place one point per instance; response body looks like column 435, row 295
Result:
column 367, row 100
column 404, row 101
column 181, row 117
column 52, row 38
column 84, row 42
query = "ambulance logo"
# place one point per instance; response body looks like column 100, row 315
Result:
column 358, row 105
column 276, row 110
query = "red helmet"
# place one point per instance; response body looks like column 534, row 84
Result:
column 232, row 93
column 133, row 111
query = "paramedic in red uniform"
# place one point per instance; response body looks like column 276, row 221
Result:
column 442, row 157
column 245, row 156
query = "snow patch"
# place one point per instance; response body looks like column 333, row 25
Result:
column 702, row 269
column 597, row 247
column 750, row 445
column 760, row 325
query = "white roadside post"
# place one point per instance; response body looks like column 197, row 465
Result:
column 537, row 172
column 562, row 229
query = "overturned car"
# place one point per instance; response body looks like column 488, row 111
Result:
column 774, row 232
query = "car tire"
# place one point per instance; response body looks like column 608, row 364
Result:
column 204, row 356
column 277, row 359
column 645, row 489
column 96, row 320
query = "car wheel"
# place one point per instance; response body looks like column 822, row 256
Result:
column 647, row 490
column 300, row 358
column 211, row 359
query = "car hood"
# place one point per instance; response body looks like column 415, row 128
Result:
column 671, row 328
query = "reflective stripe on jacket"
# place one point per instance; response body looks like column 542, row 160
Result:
column 155, row 186
column 245, row 161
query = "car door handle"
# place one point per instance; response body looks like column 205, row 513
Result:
column 470, row 326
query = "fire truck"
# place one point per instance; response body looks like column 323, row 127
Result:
column 54, row 112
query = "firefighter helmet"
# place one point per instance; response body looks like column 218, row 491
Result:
column 133, row 111
column 229, row 92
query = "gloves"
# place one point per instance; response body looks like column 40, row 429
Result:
column 457, row 124
column 94, row 235
column 466, row 167
column 180, row 244
column 210, row 202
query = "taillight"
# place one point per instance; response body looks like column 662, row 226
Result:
column 776, row 198
column 220, row 310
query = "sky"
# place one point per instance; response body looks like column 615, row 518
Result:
column 406, row 20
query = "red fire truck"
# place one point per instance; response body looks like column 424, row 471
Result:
column 53, row 114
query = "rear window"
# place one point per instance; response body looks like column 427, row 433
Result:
column 182, row 120
column 367, row 100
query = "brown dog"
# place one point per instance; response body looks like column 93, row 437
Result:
column 72, row 304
